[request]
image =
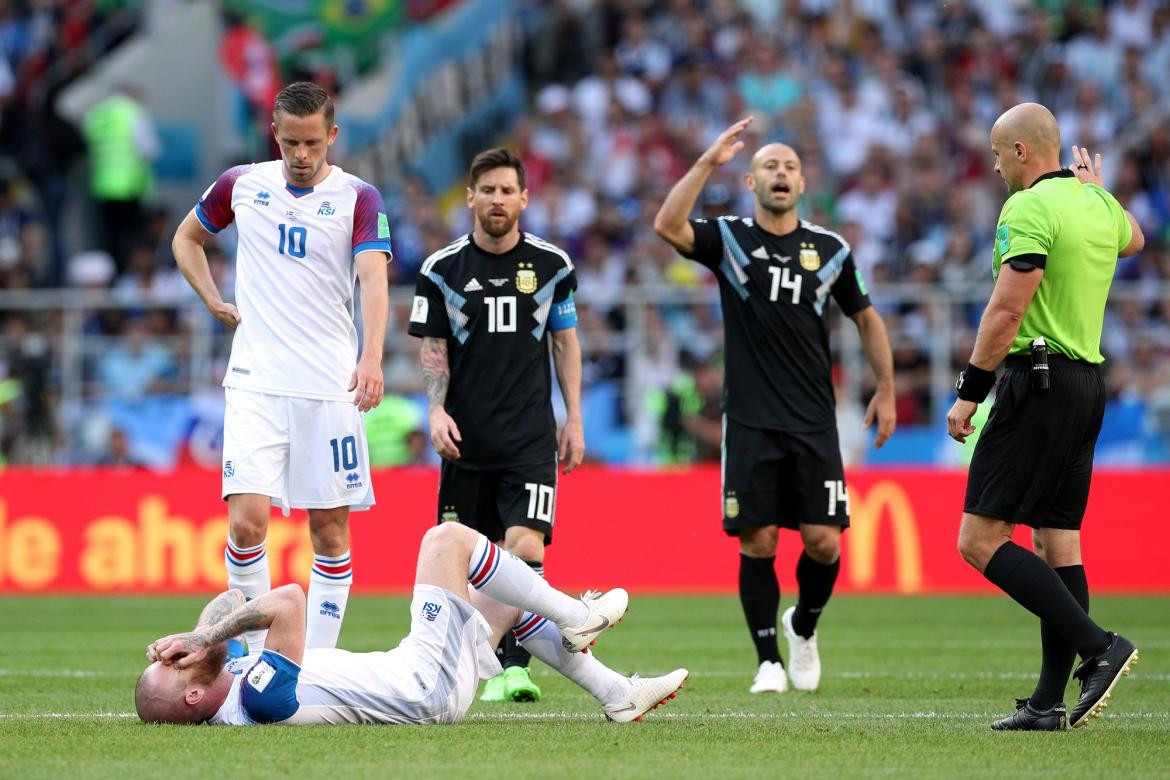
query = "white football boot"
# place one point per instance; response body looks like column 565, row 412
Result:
column 646, row 694
column 605, row 611
column 804, row 662
column 770, row 678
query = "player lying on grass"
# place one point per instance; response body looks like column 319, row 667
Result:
column 431, row 677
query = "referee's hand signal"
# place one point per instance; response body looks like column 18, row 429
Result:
column 1086, row 169
column 727, row 145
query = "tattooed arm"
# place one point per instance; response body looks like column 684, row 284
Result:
column 281, row 611
column 219, row 607
column 436, row 371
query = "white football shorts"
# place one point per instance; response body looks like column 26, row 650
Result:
column 301, row 452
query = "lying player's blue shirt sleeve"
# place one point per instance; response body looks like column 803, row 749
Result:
column 268, row 693
column 563, row 315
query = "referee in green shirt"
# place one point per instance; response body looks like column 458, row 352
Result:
column 1056, row 247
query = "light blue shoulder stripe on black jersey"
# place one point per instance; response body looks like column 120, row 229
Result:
column 734, row 261
column 828, row 274
column 543, row 298
column 455, row 303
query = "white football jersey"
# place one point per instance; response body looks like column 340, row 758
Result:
column 430, row 678
column 295, row 275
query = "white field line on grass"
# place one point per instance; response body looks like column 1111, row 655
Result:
column 488, row 717
column 53, row 673
column 723, row 674
column 871, row 675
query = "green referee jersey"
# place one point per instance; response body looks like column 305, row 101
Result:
column 1074, row 232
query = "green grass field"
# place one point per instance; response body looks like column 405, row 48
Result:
column 910, row 685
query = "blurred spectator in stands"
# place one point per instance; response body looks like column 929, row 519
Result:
column 136, row 366
column 29, row 414
column 21, row 234
column 250, row 61
column 389, row 428
column 122, row 145
column 117, row 453
column 690, row 412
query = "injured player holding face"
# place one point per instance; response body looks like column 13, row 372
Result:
column 430, row 677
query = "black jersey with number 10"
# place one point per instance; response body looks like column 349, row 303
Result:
column 775, row 292
column 496, row 311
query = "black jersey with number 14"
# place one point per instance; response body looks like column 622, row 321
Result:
column 775, row 291
column 496, row 311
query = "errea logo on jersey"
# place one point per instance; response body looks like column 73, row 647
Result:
column 262, row 198
column 352, row 480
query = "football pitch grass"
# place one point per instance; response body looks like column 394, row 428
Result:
column 909, row 687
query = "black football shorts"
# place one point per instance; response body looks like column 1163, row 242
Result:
column 1034, row 460
column 493, row 500
column 782, row 478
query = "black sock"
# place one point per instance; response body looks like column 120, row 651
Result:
column 759, row 592
column 1059, row 655
column 1034, row 585
column 815, row 581
column 513, row 653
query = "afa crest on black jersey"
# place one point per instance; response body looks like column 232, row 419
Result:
column 496, row 311
column 775, row 290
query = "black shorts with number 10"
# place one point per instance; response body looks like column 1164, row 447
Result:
column 493, row 500
column 782, row 478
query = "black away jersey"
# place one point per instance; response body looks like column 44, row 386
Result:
column 775, row 290
column 495, row 311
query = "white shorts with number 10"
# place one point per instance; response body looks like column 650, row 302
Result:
column 301, row 452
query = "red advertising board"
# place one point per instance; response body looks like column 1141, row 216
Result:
column 136, row 531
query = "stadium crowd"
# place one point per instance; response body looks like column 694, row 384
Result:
column 889, row 103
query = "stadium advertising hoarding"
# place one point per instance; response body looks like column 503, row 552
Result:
column 136, row 531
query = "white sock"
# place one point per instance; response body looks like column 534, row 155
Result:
column 509, row 580
column 541, row 638
column 328, row 594
column 247, row 569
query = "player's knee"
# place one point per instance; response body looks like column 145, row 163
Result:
column 759, row 542
column 973, row 550
column 448, row 535
column 823, row 548
column 527, row 549
column 247, row 531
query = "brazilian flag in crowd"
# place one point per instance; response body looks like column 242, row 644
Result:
column 294, row 23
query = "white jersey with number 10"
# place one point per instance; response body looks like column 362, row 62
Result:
column 295, row 275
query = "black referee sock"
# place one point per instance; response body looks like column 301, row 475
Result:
column 815, row 580
column 1034, row 585
column 513, row 653
column 1059, row 654
column 759, row 592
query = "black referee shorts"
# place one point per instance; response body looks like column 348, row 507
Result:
column 493, row 500
column 1034, row 460
column 781, row 478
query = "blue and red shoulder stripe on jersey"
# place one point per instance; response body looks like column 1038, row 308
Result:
column 214, row 209
column 371, row 229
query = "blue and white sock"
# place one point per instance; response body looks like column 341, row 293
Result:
column 247, row 569
column 329, row 584
column 509, row 580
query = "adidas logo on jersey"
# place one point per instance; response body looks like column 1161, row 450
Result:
column 472, row 286
column 760, row 253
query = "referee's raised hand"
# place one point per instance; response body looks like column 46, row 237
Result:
column 1087, row 171
column 727, row 144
